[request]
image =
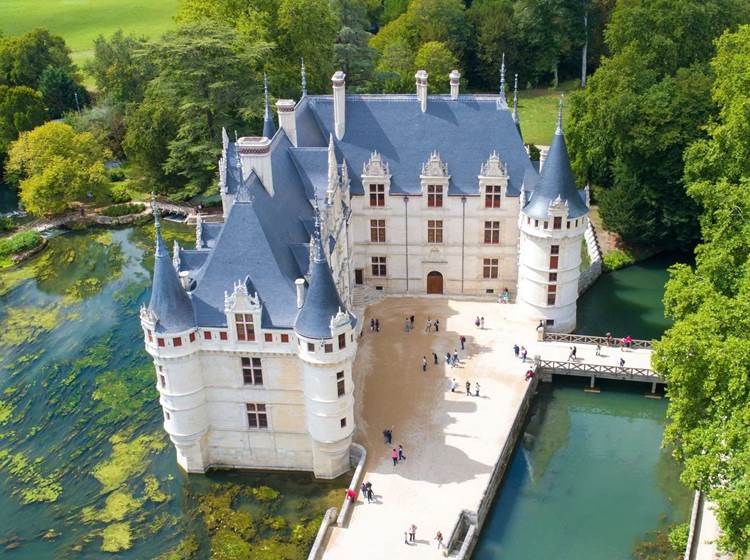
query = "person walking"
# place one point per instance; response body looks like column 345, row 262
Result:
column 412, row 532
column 424, row 364
column 411, row 320
column 516, row 350
column 462, row 340
column 598, row 349
column 524, row 352
column 407, row 325
column 401, row 456
column 481, row 321
column 468, row 389
column 453, row 385
column 439, row 539
column 622, row 362
column 455, row 357
column 529, row 374
column 448, row 359
column 377, row 325
column 628, row 342
column 364, row 491
column 370, row 495
column 476, row 389
column 609, row 339
column 435, row 358
column 394, row 457
column 388, row 436
column 477, row 322
column 437, row 325
column 428, row 327
column 372, row 325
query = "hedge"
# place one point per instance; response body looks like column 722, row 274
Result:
column 123, row 210
column 19, row 243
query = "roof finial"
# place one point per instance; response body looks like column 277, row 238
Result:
column 559, row 129
column 157, row 224
column 243, row 189
column 332, row 163
column 501, row 99
column 268, row 128
column 303, row 76
column 515, row 98
column 317, row 236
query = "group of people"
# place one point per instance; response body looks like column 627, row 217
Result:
column 453, row 385
column 450, row 359
column 520, row 352
column 374, row 325
column 479, row 322
column 410, row 536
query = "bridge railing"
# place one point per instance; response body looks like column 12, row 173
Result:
column 601, row 340
column 579, row 368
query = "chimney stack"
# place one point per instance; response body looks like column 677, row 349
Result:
column 299, row 283
column 339, row 103
column 421, row 77
column 285, row 110
column 255, row 154
column 455, row 77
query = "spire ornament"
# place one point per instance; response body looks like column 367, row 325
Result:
column 515, row 99
column 303, row 76
column 160, row 249
column 502, row 103
column 559, row 129
column 268, row 127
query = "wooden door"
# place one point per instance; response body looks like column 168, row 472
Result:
column 434, row 283
column 358, row 276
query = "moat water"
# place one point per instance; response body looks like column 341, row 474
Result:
column 85, row 467
column 589, row 479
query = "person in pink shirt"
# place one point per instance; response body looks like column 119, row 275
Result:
column 394, row 456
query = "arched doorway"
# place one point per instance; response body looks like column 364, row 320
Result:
column 434, row 282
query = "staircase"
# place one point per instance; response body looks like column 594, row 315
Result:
column 364, row 296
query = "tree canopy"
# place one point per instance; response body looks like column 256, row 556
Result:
column 706, row 354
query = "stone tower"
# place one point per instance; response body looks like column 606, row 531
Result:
column 552, row 223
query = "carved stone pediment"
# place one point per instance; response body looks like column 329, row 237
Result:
column 493, row 167
column 435, row 166
column 240, row 300
column 376, row 166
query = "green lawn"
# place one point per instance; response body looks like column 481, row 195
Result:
column 79, row 22
column 537, row 109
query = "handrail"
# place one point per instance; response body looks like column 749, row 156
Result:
column 602, row 340
column 594, row 369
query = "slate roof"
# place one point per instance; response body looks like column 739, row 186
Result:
column 557, row 180
column 464, row 132
column 322, row 301
column 169, row 302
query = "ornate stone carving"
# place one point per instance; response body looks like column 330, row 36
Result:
column 148, row 317
column 435, row 167
column 376, row 167
column 493, row 167
column 240, row 299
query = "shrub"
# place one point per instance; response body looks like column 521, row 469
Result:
column 534, row 152
column 617, row 259
column 6, row 224
column 19, row 243
column 123, row 210
column 116, row 175
column 120, row 193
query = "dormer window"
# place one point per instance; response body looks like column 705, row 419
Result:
column 245, row 326
column 492, row 196
column 377, row 195
column 557, row 222
column 435, row 196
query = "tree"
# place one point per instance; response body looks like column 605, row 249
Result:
column 395, row 68
column 352, row 54
column 60, row 92
column 494, row 35
column 705, row 356
column 438, row 61
column 119, row 74
column 54, row 167
column 105, row 121
column 21, row 109
column 392, row 9
column 23, row 59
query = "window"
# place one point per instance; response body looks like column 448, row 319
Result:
column 257, row 416
column 378, row 266
column 177, row 341
column 222, row 335
column 490, row 268
column 160, row 342
column 268, row 337
column 568, row 224
column 546, row 225
column 554, row 250
column 434, row 231
column 377, row 195
column 557, row 222
column 553, row 276
column 553, row 259
column 551, row 294
column 340, row 384
column 343, row 422
column 576, row 223
column 377, row 231
column 536, row 223
column 162, row 381
column 492, row 196
column 207, row 335
column 167, row 416
column 150, row 335
column 192, row 337
column 342, row 341
column 310, row 347
column 284, row 338
column 252, row 372
column 492, row 232
column 435, row 196
column 328, row 348
column 245, row 327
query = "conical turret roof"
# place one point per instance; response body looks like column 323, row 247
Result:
column 169, row 302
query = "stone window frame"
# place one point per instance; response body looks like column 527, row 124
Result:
column 379, row 266
column 492, row 232
column 435, row 232
column 377, row 230
column 257, row 416
column 252, row 370
column 490, row 268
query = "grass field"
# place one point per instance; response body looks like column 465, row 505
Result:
column 79, row 22
column 537, row 109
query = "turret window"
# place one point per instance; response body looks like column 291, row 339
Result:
column 160, row 342
column 435, row 196
column 342, row 341
column 162, row 381
column 268, row 337
column 207, row 335
column 252, row 371
column 328, row 348
column 492, row 232
column 377, row 231
column 434, row 231
column 340, row 384
column 177, row 341
column 245, row 326
column 192, row 337
column 557, row 222
column 257, row 416
column 490, row 268
column 310, row 347
column 284, row 338
column 554, row 256
column 377, row 195
column 492, row 196
column 551, row 294
column 223, row 335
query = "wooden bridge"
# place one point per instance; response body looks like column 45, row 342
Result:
column 635, row 343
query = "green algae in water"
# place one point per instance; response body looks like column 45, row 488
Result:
column 186, row 550
column 117, row 506
column 128, row 459
column 116, row 537
column 32, row 485
column 23, row 325
column 152, row 490
column 6, row 411
column 123, row 394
